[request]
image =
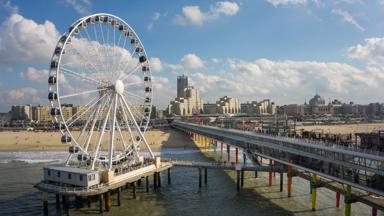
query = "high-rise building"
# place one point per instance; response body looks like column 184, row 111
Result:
column 187, row 102
column 41, row 114
column 182, row 84
column 23, row 113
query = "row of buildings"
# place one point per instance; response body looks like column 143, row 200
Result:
column 318, row 106
column 188, row 103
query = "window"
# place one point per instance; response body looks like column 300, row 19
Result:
column 58, row 174
column 69, row 176
column 81, row 177
column 89, row 178
column 49, row 172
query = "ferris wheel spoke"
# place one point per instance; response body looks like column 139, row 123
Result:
column 84, row 112
column 82, row 93
column 73, row 73
column 121, row 55
column 137, row 127
column 85, row 126
column 133, row 84
column 122, row 106
column 121, row 136
column 95, row 119
column 133, row 95
column 87, row 61
column 83, row 108
column 138, row 114
column 112, row 133
column 129, row 73
column 100, row 138
column 94, row 47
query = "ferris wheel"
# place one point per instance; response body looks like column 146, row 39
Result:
column 100, row 91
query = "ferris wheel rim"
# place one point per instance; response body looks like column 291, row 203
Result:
column 69, row 34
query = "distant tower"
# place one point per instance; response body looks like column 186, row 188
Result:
column 182, row 83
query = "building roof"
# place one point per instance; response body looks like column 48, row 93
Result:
column 70, row 169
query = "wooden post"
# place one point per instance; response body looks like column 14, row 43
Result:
column 199, row 177
column 147, row 184
column 337, row 199
column 57, row 201
column 313, row 189
column 107, row 201
column 270, row 174
column 139, row 183
column 45, row 203
column 238, row 180
column 242, row 178
column 134, row 190
column 119, row 196
column 289, row 183
column 159, row 180
column 281, row 181
column 237, row 155
column 155, row 181
column 169, row 176
column 347, row 202
column 89, row 201
column 100, row 203
column 205, row 176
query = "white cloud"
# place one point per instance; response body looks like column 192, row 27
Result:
column 288, row 2
column 155, row 17
column 81, row 6
column 347, row 17
column 7, row 5
column 192, row 15
column 22, row 93
column 24, row 41
column 216, row 60
column 192, row 61
column 372, row 51
column 156, row 64
column 36, row 75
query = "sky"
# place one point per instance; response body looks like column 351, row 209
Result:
column 284, row 50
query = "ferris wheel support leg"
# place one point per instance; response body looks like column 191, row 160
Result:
column 138, row 128
column 112, row 134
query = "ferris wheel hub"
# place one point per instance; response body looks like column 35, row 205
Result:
column 119, row 87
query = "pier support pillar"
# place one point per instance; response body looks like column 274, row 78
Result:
column 337, row 200
column 205, row 176
column 119, row 196
column 159, row 179
column 270, row 174
column 214, row 149
column 107, row 201
column 313, row 189
column 134, row 190
column 237, row 155
column 347, row 203
column 155, row 181
column 169, row 176
column 100, row 203
column 281, row 181
column 79, row 202
column 139, row 183
column 221, row 151
column 199, row 177
column 229, row 152
column 238, row 180
column 57, row 201
column 244, row 158
column 146, row 184
column 242, row 178
column 374, row 211
column 89, row 201
column 45, row 203
column 256, row 174
column 289, row 183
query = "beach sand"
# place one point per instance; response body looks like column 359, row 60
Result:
column 50, row 141
column 343, row 129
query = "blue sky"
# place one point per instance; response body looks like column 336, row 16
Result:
column 286, row 50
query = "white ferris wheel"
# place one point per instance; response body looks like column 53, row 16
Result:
column 100, row 90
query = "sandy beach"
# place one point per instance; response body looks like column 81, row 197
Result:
column 50, row 141
column 343, row 129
